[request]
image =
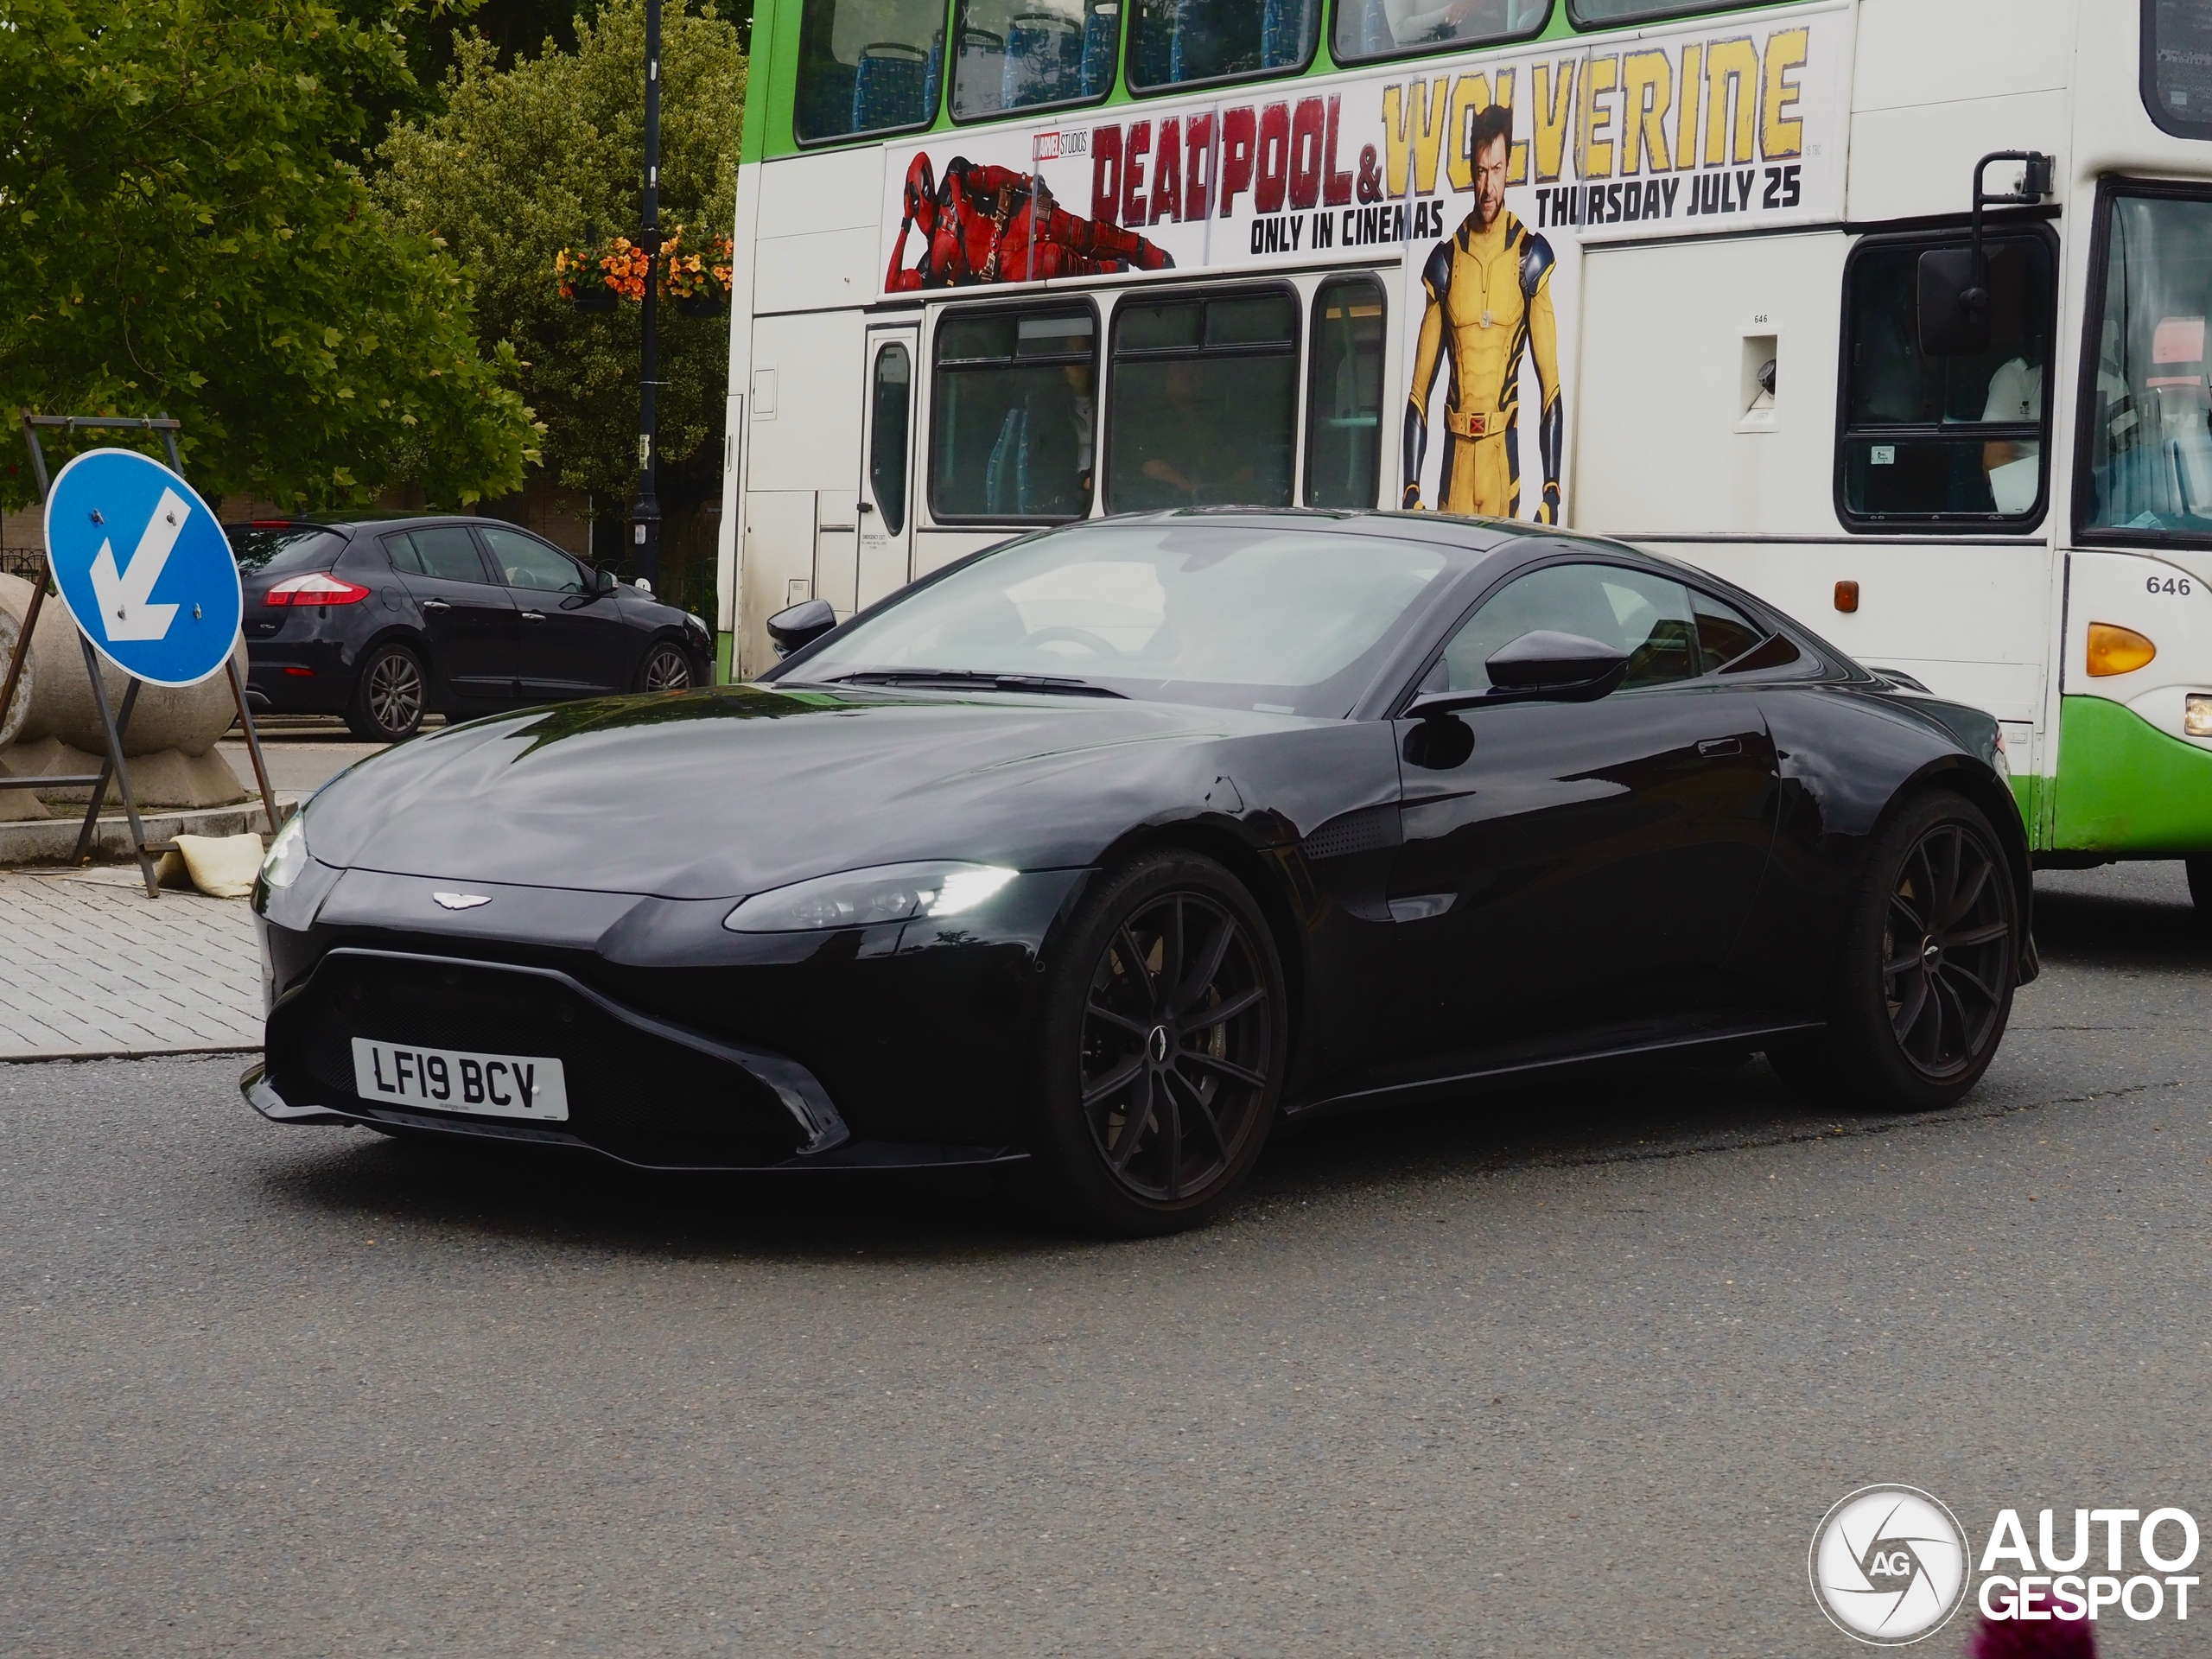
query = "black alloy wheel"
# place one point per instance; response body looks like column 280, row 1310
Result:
column 667, row 668
column 1164, row 1048
column 1924, row 983
column 390, row 696
column 1946, row 950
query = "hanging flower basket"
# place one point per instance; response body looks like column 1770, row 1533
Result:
column 574, row 279
column 698, row 283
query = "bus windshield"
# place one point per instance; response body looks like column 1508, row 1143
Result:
column 1286, row 621
column 2150, row 449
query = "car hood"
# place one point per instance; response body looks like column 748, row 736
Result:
column 728, row 792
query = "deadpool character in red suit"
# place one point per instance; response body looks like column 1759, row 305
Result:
column 993, row 225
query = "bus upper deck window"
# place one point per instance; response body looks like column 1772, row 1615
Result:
column 2147, row 432
column 1014, row 415
column 1596, row 14
column 1961, row 439
column 2178, row 66
column 868, row 65
column 1388, row 28
column 1172, row 42
column 1344, row 398
column 1016, row 54
column 1203, row 407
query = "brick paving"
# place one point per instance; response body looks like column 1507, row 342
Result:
column 90, row 965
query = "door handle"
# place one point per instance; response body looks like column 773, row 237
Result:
column 868, row 507
column 1713, row 746
column 536, row 616
column 436, row 605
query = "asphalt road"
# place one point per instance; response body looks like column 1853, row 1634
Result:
column 1570, row 1372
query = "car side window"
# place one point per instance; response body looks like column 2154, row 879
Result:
column 1647, row 616
column 448, row 553
column 525, row 561
column 400, row 550
column 1724, row 633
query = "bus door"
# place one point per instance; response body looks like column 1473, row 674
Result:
column 886, row 518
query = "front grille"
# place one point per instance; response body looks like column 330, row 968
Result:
column 632, row 1093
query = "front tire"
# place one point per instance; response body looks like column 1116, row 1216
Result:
column 390, row 696
column 667, row 667
column 1162, row 1049
column 1923, row 983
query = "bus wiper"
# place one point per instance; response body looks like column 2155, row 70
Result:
column 968, row 679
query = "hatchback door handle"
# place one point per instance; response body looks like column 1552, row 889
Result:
column 436, row 605
column 533, row 616
column 1720, row 746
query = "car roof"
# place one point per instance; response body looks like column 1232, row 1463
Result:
column 1476, row 537
column 379, row 523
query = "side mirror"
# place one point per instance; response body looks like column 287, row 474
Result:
column 1542, row 666
column 802, row 625
column 1953, row 303
column 602, row 581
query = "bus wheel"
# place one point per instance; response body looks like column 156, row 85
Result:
column 2200, row 884
column 1923, row 984
column 1162, row 1050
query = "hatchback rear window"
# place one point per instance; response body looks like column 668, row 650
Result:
column 268, row 549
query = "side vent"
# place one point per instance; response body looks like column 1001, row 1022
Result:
column 1370, row 830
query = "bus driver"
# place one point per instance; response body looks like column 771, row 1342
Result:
column 1489, row 288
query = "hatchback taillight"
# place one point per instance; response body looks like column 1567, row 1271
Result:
column 318, row 587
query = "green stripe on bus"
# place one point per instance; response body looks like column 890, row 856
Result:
column 2124, row 786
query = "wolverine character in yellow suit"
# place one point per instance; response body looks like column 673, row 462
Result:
column 1490, row 297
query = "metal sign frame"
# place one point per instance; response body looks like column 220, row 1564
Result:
column 112, row 724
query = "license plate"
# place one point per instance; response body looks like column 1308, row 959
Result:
column 446, row 1080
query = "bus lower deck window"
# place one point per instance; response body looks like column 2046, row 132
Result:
column 868, row 65
column 1175, row 41
column 1014, row 415
column 1344, row 398
column 1933, row 438
column 1203, row 406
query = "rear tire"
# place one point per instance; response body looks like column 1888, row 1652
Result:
column 1159, row 1063
column 390, row 696
column 1924, row 982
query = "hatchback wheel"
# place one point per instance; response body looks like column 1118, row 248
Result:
column 667, row 667
column 1162, row 1050
column 1923, row 986
column 390, row 696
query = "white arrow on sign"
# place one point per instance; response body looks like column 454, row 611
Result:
column 125, row 613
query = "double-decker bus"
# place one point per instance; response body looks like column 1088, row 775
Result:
column 1671, row 272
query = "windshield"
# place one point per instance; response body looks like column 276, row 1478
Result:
column 266, row 550
column 2149, row 452
column 1283, row 620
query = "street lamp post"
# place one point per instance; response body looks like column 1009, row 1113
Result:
column 645, row 516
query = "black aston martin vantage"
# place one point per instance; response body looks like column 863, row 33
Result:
column 1100, row 851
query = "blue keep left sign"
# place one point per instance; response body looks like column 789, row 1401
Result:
column 144, row 567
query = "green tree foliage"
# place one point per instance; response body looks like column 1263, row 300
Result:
column 180, row 230
column 515, row 166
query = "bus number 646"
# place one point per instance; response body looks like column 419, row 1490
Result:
column 2165, row 585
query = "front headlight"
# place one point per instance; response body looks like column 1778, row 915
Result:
column 889, row 893
column 287, row 854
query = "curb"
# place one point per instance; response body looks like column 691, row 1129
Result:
column 50, row 841
column 36, row 1057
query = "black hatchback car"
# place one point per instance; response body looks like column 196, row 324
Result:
column 383, row 621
